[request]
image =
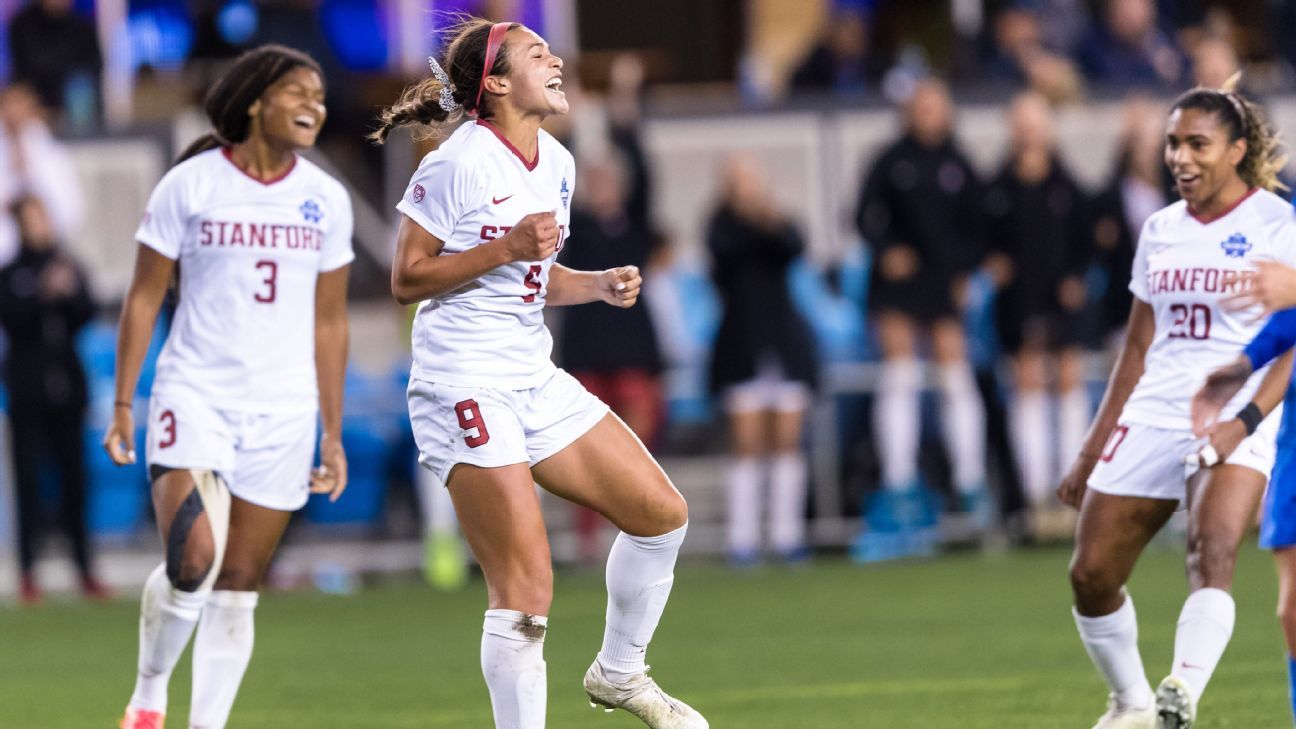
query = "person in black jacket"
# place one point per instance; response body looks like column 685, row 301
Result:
column 43, row 303
column 1037, row 231
column 50, row 46
column 764, row 365
column 920, row 211
column 612, row 352
column 1139, row 186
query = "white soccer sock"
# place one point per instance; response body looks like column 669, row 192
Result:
column 744, row 497
column 435, row 503
column 1073, row 424
column 222, row 649
column 964, row 428
column 1205, row 626
column 167, row 619
column 512, row 660
column 1112, row 644
column 1028, row 420
column 897, row 421
column 640, row 572
column 787, row 502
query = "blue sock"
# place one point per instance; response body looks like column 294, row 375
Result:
column 1291, row 683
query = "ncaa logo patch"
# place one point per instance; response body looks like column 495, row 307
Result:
column 564, row 192
column 1236, row 246
column 419, row 193
column 310, row 210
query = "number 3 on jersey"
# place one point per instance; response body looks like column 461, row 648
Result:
column 267, row 295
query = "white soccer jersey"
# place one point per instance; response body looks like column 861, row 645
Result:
column 1184, row 267
column 249, row 255
column 472, row 189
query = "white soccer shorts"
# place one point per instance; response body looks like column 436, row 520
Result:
column 1142, row 460
column 265, row 458
column 489, row 427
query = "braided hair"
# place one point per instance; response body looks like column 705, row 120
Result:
column 424, row 106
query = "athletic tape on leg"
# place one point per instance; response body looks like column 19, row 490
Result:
column 210, row 495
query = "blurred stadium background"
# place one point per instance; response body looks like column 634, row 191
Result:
column 719, row 76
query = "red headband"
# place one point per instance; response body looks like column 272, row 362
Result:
column 493, row 43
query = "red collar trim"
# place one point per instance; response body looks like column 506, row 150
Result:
column 226, row 151
column 529, row 164
column 1225, row 211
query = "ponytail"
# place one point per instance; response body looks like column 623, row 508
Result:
column 427, row 105
column 419, row 105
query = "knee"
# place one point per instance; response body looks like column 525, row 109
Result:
column 1210, row 562
column 240, row 576
column 672, row 514
column 528, row 589
column 1287, row 616
column 1090, row 582
column 188, row 565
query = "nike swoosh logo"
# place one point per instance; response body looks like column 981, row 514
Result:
column 1190, row 666
column 498, row 200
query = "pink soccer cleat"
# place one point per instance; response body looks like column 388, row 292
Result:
column 142, row 719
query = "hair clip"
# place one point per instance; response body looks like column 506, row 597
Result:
column 446, row 100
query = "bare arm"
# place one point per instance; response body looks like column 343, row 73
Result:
column 419, row 271
column 1125, row 375
column 331, row 344
column 153, row 273
column 616, row 286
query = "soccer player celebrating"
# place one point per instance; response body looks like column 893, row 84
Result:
column 1140, row 457
column 1274, row 288
column 483, row 218
column 261, row 240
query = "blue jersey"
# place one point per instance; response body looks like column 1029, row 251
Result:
column 1278, row 526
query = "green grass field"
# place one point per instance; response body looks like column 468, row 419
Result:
column 966, row 641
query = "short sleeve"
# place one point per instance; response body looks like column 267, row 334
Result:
column 167, row 216
column 337, row 250
column 438, row 195
column 1283, row 236
column 1138, row 276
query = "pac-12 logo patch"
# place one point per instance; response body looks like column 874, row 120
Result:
column 1236, row 246
column 565, row 192
column 310, row 210
column 419, row 193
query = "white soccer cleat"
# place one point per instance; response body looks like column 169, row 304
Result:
column 642, row 697
column 1175, row 706
column 1126, row 717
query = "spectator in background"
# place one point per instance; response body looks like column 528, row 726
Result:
column 763, row 366
column 1213, row 62
column 611, row 221
column 43, row 303
column 920, row 210
column 1038, row 237
column 612, row 352
column 1139, row 186
column 838, row 63
column 33, row 163
column 1019, row 56
column 56, row 51
column 1128, row 49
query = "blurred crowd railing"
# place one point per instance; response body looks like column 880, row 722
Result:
column 817, row 158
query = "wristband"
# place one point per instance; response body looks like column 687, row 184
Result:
column 123, row 404
column 1250, row 417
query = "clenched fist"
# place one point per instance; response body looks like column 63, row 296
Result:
column 620, row 286
column 534, row 238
